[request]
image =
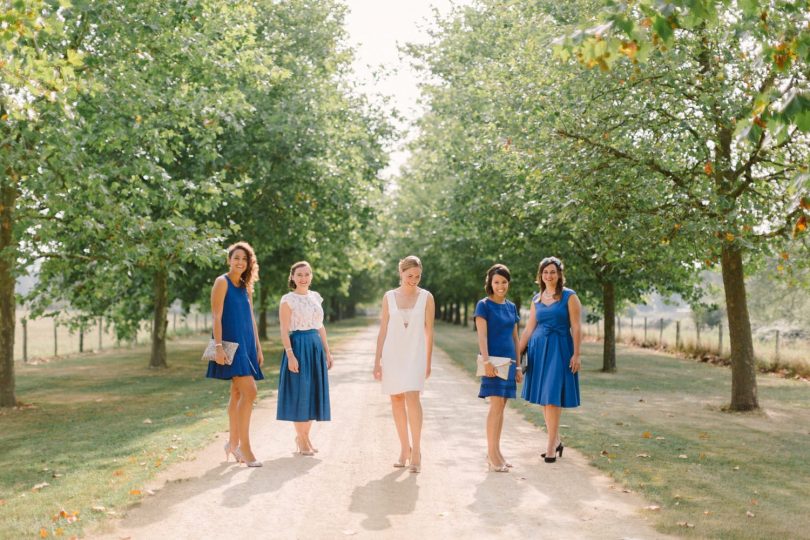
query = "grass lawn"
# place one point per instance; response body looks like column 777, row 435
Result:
column 657, row 427
column 97, row 427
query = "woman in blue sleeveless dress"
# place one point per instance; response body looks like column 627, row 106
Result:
column 232, row 311
column 496, row 322
column 303, row 379
column 553, row 336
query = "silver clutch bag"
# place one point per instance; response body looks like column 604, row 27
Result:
column 210, row 354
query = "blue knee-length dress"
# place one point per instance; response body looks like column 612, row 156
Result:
column 237, row 326
column 549, row 380
column 501, row 320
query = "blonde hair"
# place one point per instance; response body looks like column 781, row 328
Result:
column 293, row 268
column 411, row 261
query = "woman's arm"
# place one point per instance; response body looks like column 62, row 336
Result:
column 381, row 338
column 218, row 292
column 527, row 331
column 574, row 313
column 259, row 353
column 481, row 329
column 322, row 333
column 430, row 314
column 518, row 373
column 284, row 317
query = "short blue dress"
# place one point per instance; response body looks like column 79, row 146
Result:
column 237, row 326
column 501, row 320
column 549, row 380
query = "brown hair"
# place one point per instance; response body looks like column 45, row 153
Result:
column 293, row 268
column 251, row 274
column 411, row 261
column 496, row 270
column 560, row 281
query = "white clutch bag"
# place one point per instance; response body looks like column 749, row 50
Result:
column 501, row 364
column 210, row 354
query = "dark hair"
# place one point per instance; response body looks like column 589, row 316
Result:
column 251, row 274
column 293, row 268
column 496, row 270
column 560, row 282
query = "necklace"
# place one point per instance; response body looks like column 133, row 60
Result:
column 547, row 296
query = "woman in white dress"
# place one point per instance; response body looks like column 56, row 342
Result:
column 402, row 361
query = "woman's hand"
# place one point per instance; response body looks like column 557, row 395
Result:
column 489, row 369
column 292, row 363
column 427, row 372
column 220, row 357
column 518, row 374
column 329, row 361
column 575, row 364
column 260, row 357
column 377, row 371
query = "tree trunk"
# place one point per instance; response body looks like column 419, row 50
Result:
column 609, row 343
column 466, row 314
column 8, row 200
column 743, row 368
column 457, row 313
column 262, row 322
column 160, row 320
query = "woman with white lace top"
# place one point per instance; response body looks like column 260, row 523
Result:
column 303, row 380
column 403, row 357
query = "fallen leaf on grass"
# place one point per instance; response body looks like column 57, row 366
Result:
column 57, row 475
column 643, row 455
column 43, row 533
column 118, row 472
column 59, row 531
column 652, row 508
column 642, row 400
column 134, row 491
column 686, row 524
column 604, row 453
column 683, row 456
column 150, row 492
column 189, row 413
column 754, row 502
column 707, row 513
column 615, row 445
column 737, row 468
column 749, row 513
column 40, row 486
column 2, row 502
column 646, row 435
column 660, row 438
column 99, row 508
column 703, row 435
column 147, row 421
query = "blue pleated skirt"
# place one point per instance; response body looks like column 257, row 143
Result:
column 304, row 396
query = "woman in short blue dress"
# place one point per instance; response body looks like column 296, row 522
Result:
column 303, row 379
column 232, row 310
column 496, row 322
column 553, row 336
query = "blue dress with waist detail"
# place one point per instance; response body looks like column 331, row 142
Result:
column 549, row 380
column 237, row 326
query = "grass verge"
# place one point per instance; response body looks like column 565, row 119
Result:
column 656, row 426
column 96, row 428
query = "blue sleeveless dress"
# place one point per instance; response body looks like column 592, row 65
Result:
column 237, row 326
column 549, row 380
column 501, row 320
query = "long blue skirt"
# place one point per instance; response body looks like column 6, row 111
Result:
column 304, row 396
column 549, row 380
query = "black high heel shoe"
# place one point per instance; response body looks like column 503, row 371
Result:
column 558, row 450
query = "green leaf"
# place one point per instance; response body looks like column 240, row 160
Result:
column 662, row 27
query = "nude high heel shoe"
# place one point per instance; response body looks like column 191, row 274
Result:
column 241, row 457
column 300, row 449
column 416, row 467
column 496, row 468
column 403, row 462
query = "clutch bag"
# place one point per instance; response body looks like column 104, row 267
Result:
column 210, row 354
column 501, row 364
column 523, row 365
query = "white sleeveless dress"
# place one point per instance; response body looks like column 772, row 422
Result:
column 404, row 354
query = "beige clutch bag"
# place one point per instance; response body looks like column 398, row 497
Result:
column 501, row 364
column 210, row 354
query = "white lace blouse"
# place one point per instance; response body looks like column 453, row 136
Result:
column 307, row 313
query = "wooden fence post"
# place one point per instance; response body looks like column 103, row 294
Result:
column 100, row 331
column 677, row 335
column 661, row 334
column 720, row 339
column 24, row 322
column 776, row 355
column 645, row 329
column 55, row 348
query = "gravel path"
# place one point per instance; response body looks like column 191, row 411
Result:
column 350, row 490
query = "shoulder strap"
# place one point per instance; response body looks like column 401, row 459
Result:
column 392, row 303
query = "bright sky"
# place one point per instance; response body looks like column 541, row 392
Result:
column 376, row 29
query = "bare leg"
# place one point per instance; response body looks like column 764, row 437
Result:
column 552, row 414
column 401, row 423
column 494, row 425
column 414, row 407
column 246, row 387
column 233, row 417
